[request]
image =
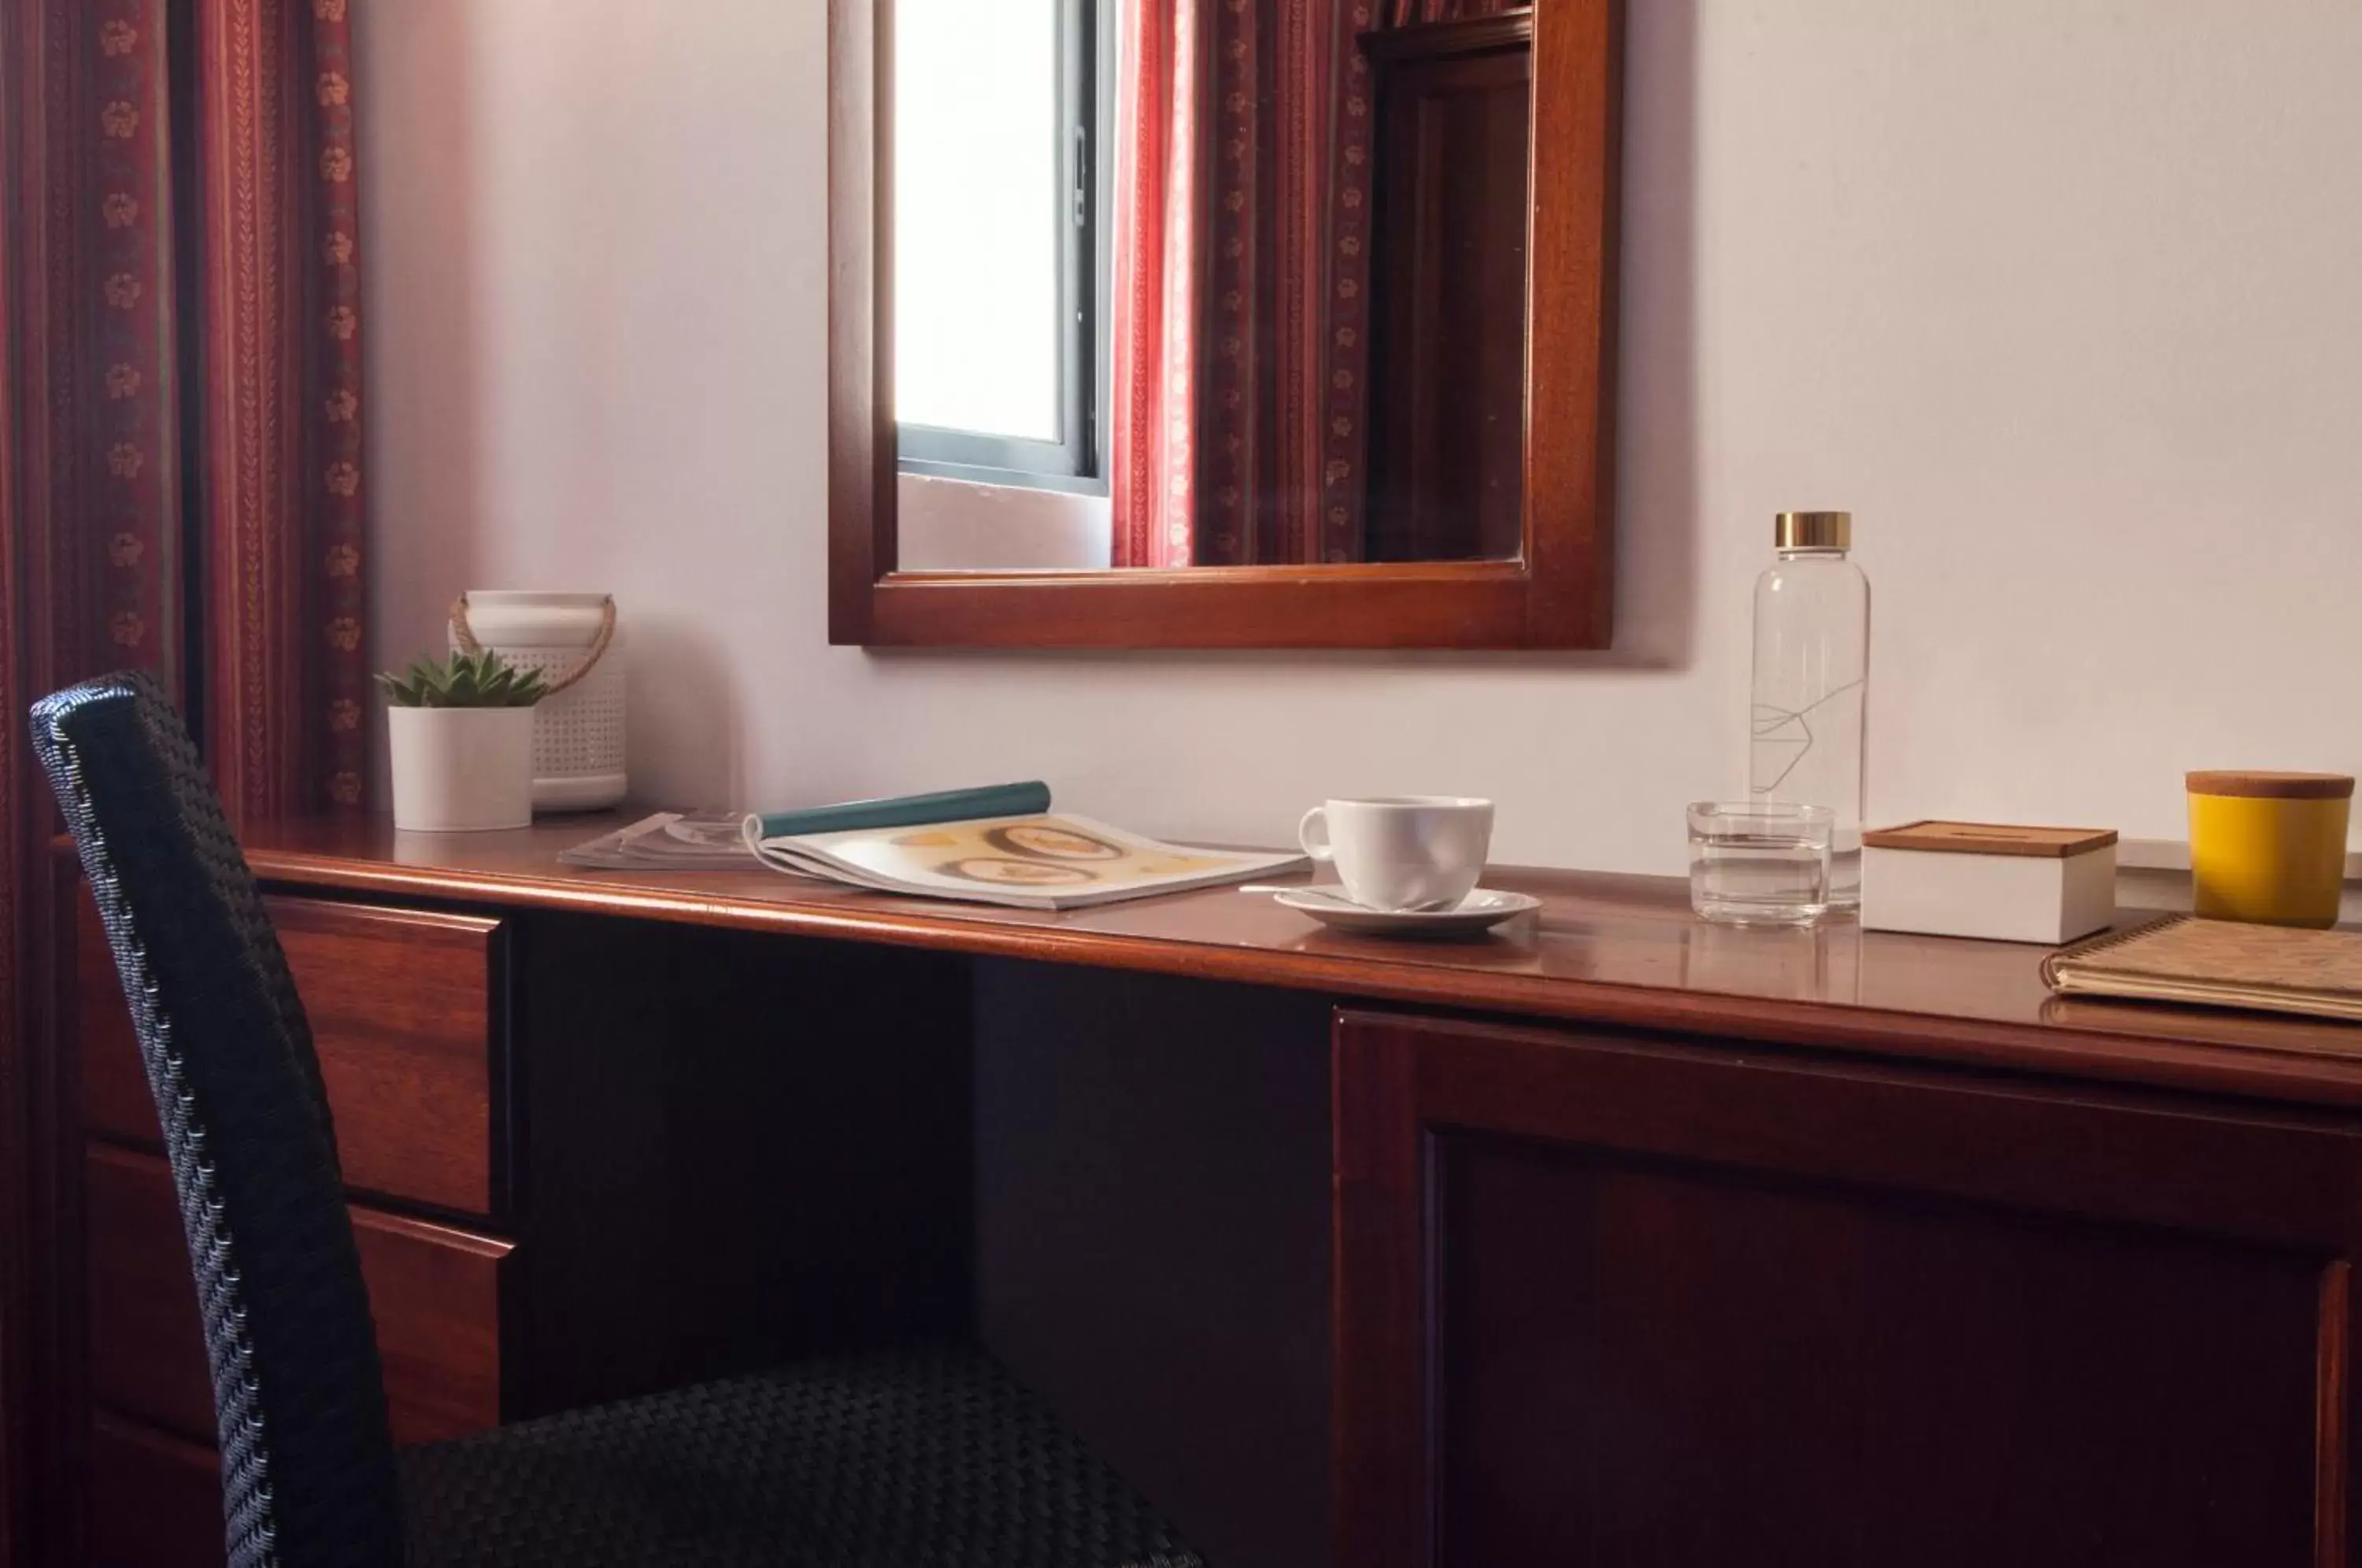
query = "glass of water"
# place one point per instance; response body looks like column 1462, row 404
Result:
column 1758, row 862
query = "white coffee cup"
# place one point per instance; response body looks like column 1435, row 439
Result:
column 1396, row 851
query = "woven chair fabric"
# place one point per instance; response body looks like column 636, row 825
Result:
column 933, row 1459
column 307, row 1464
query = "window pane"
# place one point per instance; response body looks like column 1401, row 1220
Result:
column 977, row 198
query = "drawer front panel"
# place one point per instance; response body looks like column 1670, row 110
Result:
column 1602, row 1300
column 154, row 1500
column 435, row 1292
column 404, row 1016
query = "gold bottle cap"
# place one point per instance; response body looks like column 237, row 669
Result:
column 1814, row 531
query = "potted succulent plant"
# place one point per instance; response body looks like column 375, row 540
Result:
column 462, row 743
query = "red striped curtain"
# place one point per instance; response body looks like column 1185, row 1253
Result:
column 113, row 521
column 1152, row 427
column 286, row 676
column 1219, row 112
column 169, row 267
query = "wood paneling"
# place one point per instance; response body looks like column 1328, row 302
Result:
column 1599, row 1299
column 1603, row 950
column 147, row 1349
column 1560, row 594
column 402, row 1005
column 153, row 1500
column 1152, row 1199
column 1448, row 367
column 405, row 1016
column 115, row 1096
column 435, row 1292
column 736, row 1151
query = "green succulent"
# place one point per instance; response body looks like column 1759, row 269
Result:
column 464, row 680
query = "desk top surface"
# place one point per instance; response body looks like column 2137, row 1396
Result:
column 1612, row 950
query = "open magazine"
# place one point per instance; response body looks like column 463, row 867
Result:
column 1039, row 862
column 996, row 846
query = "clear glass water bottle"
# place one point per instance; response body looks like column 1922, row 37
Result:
column 1812, row 672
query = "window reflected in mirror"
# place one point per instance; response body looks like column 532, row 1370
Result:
column 1209, row 283
column 995, row 239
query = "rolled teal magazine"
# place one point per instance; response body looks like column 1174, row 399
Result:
column 1029, row 799
column 709, row 840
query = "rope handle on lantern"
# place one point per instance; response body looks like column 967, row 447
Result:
column 465, row 635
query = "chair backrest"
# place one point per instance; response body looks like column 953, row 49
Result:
column 307, row 1462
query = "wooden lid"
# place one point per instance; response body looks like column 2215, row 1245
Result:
column 2275, row 786
column 1991, row 838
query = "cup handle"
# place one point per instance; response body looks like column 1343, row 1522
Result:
column 1315, row 847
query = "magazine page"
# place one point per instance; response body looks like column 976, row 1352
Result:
column 693, row 841
column 1034, row 862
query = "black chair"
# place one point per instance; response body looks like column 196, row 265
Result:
column 911, row 1460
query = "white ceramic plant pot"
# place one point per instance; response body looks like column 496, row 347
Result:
column 461, row 769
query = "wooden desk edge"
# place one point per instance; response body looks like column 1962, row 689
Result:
column 2122, row 1055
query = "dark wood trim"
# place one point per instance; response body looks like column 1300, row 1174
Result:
column 1571, row 318
column 1901, row 1127
column 861, row 437
column 1435, row 605
column 19, row 850
column 1434, row 40
column 1559, row 595
column 2340, row 1467
column 1379, row 1491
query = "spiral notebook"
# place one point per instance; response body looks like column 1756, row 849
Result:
column 2214, row 963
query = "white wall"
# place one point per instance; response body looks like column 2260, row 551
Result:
column 2062, row 297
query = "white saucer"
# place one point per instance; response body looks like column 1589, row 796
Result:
column 1478, row 910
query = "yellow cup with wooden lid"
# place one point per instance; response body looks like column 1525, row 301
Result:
column 2268, row 847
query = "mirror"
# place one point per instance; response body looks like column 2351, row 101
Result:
column 1221, row 323
column 1209, row 283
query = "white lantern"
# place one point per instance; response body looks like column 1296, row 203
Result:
column 578, row 731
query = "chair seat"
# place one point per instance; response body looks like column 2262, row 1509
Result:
column 933, row 1458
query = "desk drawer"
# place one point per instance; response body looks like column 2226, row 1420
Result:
column 154, row 1500
column 405, row 1014
column 1605, row 1299
column 435, row 1292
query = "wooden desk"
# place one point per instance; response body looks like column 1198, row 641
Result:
column 1604, row 949
column 1614, row 1236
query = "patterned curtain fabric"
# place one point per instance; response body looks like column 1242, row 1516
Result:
column 132, row 399
column 114, row 354
column 337, row 772
column 256, row 355
column 1220, row 177
column 1409, row 12
column 1243, row 147
column 286, row 679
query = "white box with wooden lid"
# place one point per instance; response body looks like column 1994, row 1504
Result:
column 1991, row 880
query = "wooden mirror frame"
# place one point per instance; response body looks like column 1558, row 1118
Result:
column 1560, row 594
